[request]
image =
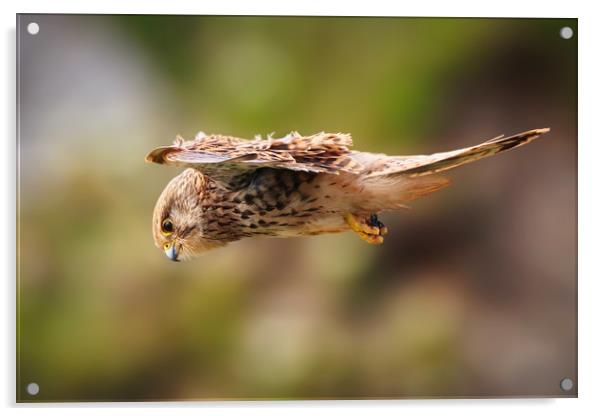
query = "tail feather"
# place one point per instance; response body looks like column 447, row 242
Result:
column 390, row 181
column 393, row 192
column 420, row 165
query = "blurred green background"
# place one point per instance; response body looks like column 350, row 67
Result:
column 472, row 294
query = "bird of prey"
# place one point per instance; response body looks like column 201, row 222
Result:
column 292, row 186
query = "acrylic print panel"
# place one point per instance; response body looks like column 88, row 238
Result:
column 471, row 293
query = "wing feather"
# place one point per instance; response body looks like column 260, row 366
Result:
column 223, row 157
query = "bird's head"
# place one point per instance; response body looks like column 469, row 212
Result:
column 177, row 217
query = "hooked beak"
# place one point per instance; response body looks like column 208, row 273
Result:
column 171, row 252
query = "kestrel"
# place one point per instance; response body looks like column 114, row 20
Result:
column 292, row 186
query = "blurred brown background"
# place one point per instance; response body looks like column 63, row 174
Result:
column 472, row 294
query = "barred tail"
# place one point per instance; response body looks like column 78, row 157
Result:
column 413, row 166
column 390, row 181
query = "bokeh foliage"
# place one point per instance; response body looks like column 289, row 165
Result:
column 472, row 294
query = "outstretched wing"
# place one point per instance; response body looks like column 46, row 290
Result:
column 420, row 165
column 223, row 157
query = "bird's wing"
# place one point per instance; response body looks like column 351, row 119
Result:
column 420, row 165
column 223, row 157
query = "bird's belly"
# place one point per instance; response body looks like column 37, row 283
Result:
column 283, row 204
column 314, row 226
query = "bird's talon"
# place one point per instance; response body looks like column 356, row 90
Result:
column 371, row 238
column 374, row 221
column 369, row 229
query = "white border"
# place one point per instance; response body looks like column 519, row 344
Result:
column 590, row 206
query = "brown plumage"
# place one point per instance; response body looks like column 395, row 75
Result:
column 292, row 186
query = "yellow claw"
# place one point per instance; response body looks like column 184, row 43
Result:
column 367, row 231
column 372, row 239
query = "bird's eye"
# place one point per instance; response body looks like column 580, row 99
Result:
column 167, row 227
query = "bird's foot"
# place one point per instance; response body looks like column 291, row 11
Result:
column 370, row 229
